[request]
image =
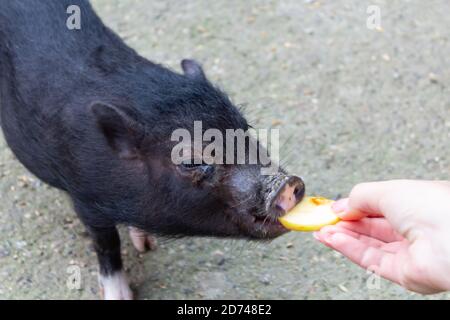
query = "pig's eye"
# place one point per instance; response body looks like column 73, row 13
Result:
column 203, row 167
column 189, row 164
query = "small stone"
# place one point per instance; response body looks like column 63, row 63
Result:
column 21, row 244
column 433, row 77
column 181, row 263
column 221, row 262
column 4, row 253
column 289, row 245
column 265, row 279
column 309, row 31
column 188, row 291
column 201, row 29
column 24, row 179
column 251, row 19
column 276, row 122
column 162, row 286
column 68, row 220
column 219, row 257
column 22, row 204
column 217, row 253
column 343, row 288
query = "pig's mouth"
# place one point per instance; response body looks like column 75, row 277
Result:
column 262, row 226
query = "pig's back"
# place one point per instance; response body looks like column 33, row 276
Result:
column 45, row 73
column 45, row 57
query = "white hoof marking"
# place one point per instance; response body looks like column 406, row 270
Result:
column 115, row 287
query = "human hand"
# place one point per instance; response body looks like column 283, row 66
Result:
column 398, row 229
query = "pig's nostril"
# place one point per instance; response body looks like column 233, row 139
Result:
column 289, row 194
column 299, row 193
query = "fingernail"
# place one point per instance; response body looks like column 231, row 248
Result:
column 340, row 205
column 327, row 237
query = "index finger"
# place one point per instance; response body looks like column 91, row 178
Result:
column 384, row 263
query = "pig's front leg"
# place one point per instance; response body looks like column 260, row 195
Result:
column 142, row 240
column 112, row 279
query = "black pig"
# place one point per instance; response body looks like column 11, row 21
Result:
column 86, row 114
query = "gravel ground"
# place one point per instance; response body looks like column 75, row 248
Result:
column 352, row 104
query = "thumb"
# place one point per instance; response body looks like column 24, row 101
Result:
column 343, row 211
column 363, row 201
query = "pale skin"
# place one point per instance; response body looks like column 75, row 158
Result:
column 399, row 229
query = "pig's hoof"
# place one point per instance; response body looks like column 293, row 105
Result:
column 115, row 287
column 142, row 241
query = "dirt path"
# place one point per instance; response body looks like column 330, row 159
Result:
column 357, row 105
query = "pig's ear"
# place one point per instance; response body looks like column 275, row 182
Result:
column 192, row 69
column 121, row 131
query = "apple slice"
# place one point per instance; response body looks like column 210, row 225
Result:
column 311, row 214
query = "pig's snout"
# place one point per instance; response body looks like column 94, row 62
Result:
column 280, row 193
column 286, row 195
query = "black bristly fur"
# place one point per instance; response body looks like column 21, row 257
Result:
column 86, row 114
